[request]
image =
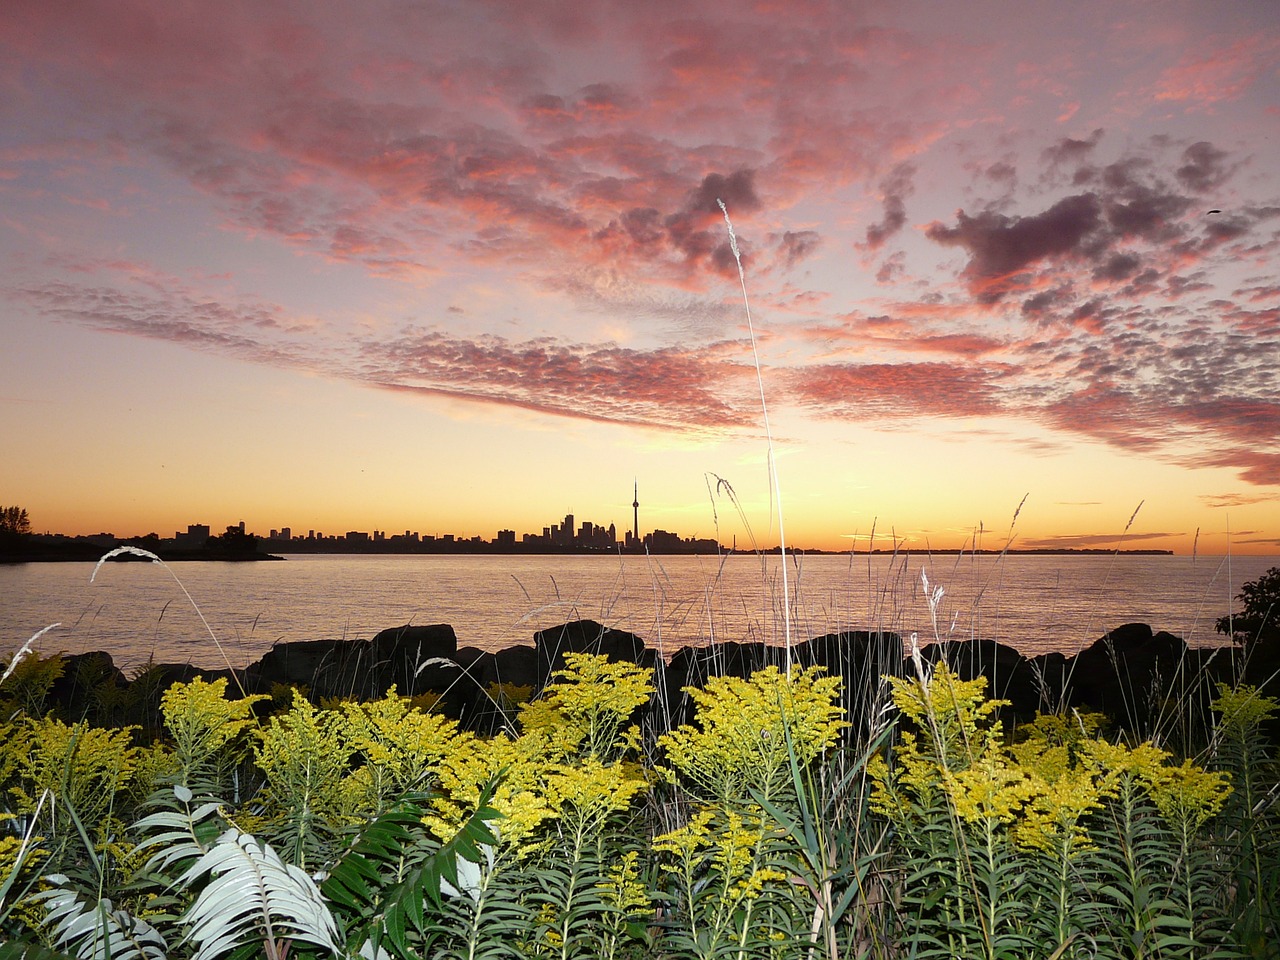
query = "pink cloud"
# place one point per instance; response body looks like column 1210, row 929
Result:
column 1224, row 73
column 689, row 390
column 894, row 391
column 706, row 389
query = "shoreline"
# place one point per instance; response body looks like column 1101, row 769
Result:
column 92, row 552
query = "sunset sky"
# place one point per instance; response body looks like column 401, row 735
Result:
column 458, row 266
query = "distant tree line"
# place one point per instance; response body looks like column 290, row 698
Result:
column 14, row 522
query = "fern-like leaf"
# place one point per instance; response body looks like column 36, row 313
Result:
column 31, row 951
column 254, row 896
column 393, row 869
column 180, row 835
column 97, row 931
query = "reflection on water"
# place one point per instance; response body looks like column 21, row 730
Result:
column 1035, row 603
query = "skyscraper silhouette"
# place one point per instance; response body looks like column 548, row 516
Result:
column 635, row 506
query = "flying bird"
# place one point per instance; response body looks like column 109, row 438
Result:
column 1212, row 212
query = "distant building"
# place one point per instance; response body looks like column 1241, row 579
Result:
column 660, row 541
column 195, row 538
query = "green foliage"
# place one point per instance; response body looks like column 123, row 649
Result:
column 97, row 929
column 303, row 755
column 1106, row 841
column 28, row 682
column 1250, row 838
column 759, row 830
column 252, row 896
column 394, row 869
column 82, row 768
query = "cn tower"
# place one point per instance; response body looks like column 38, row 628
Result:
column 635, row 506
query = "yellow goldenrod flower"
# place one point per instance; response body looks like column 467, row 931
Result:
column 748, row 729
column 1186, row 794
column 1243, row 709
column 400, row 744
column 202, row 721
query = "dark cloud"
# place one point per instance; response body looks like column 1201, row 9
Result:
column 1093, row 541
column 697, row 230
column 1138, row 210
column 1002, row 172
column 795, row 246
column 1071, row 152
column 1045, row 301
column 1131, row 229
column 1000, row 247
column 1119, row 266
column 737, row 191
column 895, row 188
column 892, row 267
column 695, row 234
column 1204, row 167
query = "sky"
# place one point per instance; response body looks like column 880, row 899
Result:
column 453, row 267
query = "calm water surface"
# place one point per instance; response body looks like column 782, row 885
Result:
column 137, row 611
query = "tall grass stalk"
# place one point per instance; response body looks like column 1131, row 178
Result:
column 148, row 555
column 776, row 487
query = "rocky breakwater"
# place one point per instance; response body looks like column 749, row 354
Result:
column 1138, row 677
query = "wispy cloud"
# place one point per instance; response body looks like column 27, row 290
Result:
column 689, row 390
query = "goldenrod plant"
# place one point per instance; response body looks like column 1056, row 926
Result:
column 310, row 791
column 399, row 746
column 748, row 731
column 208, row 730
column 1109, row 843
column 1250, row 829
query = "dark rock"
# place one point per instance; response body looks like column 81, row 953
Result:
column 587, row 636
column 861, row 659
column 167, row 674
column 693, row 665
column 1121, row 673
column 1050, row 676
column 413, row 659
column 416, row 644
column 90, row 687
column 298, row 663
column 517, row 666
column 1149, row 683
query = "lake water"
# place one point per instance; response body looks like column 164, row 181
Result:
column 137, row 611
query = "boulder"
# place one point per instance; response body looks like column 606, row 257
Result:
column 1128, row 674
column 414, row 659
column 90, row 687
column 861, row 659
column 587, row 636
